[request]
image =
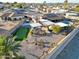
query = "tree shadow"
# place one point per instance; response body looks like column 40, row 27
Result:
column 1, row 25
column 34, row 55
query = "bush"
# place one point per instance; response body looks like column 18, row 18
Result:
column 20, row 57
column 1, row 41
column 55, row 29
column 76, row 9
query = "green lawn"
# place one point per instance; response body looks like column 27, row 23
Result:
column 21, row 33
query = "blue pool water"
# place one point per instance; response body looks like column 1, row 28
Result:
column 71, row 51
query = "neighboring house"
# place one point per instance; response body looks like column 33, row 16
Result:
column 53, row 17
column 18, row 14
column 14, row 14
column 5, row 16
column 19, row 11
column 11, row 16
column 65, row 27
column 59, row 11
column 1, row 5
column 74, row 16
column 64, row 23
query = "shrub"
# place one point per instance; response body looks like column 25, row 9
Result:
column 55, row 29
column 76, row 9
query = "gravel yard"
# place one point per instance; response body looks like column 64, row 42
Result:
column 32, row 51
column 7, row 26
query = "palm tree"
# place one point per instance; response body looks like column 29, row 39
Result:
column 9, row 48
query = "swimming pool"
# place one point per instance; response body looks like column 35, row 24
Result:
column 71, row 51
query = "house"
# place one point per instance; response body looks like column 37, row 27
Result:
column 19, row 11
column 1, row 5
column 53, row 17
column 64, row 23
column 46, row 22
column 72, row 15
column 5, row 16
column 14, row 14
column 64, row 26
column 59, row 11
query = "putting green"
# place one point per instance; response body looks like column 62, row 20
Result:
column 21, row 33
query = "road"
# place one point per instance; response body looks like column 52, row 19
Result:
column 71, row 51
column 62, row 44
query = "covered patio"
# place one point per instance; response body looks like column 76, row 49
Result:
column 46, row 22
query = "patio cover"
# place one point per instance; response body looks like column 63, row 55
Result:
column 61, row 24
column 46, row 22
column 35, row 24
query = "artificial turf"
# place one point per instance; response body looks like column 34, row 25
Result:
column 21, row 33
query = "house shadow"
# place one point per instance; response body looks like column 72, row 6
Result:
column 1, row 25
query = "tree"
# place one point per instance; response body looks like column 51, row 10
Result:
column 1, row 45
column 9, row 48
column 15, row 4
column 44, row 3
column 52, row 45
column 55, row 28
column 76, row 8
column 7, row 3
column 20, row 5
column 66, row 4
column 42, row 6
